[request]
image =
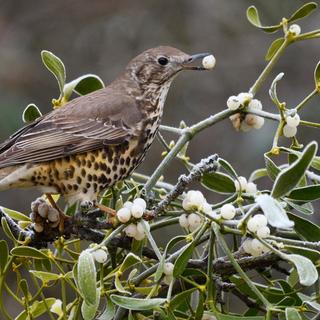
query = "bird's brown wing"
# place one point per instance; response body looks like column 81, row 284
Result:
column 70, row 131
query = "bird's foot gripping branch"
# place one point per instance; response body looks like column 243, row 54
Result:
column 249, row 240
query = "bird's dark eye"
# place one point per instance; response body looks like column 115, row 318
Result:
column 163, row 61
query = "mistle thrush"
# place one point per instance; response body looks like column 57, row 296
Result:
column 95, row 140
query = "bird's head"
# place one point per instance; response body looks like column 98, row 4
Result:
column 161, row 64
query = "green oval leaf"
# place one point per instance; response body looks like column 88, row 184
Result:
column 308, row 193
column 254, row 19
column 31, row 113
column 292, row 314
column 273, row 89
column 227, row 167
column 218, row 182
column 87, row 276
column 135, row 303
column 6, row 229
column 257, row 174
column 272, row 169
column 305, row 228
column 37, row 309
column 274, row 212
column 303, row 11
column 274, row 47
column 28, row 252
column 88, row 310
column 129, row 261
column 290, row 177
column 317, row 76
column 181, row 297
column 45, row 276
column 311, row 254
column 221, row 316
column 83, row 85
column 15, row 215
column 305, row 208
column 4, row 255
column 182, row 260
column 307, row 272
column 109, row 311
column 55, row 66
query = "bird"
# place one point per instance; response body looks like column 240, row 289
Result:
column 98, row 139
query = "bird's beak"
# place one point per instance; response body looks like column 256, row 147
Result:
column 189, row 63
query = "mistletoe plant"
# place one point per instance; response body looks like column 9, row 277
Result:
column 257, row 246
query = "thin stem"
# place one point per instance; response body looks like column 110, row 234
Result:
column 64, row 298
column 237, row 267
column 302, row 244
column 256, row 86
column 306, row 99
column 310, row 124
column 171, row 129
column 187, row 135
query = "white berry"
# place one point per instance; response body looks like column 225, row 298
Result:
column 57, row 308
column 168, row 268
column 140, row 202
column 139, row 235
column 246, row 245
column 131, row 230
column 228, row 211
column 183, row 221
column 289, row 132
column 100, row 255
column 194, row 221
column 261, row 220
column 140, row 227
column 252, row 225
column 255, row 104
column 293, row 121
column 137, row 211
column 295, row 29
column 259, row 122
column 245, row 97
column 124, row 215
column 209, row 62
column 206, row 208
column 251, row 188
column 241, row 183
column 250, row 120
column 53, row 215
column 193, row 200
column 43, row 209
column 233, row 103
column 128, row 204
column 263, row 232
column 257, row 248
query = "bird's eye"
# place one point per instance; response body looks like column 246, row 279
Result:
column 163, row 61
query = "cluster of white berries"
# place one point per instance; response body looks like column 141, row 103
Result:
column 290, row 128
column 43, row 214
column 245, row 186
column 100, row 255
column 168, row 272
column 134, row 210
column 295, row 29
column 194, row 200
column 209, row 62
column 250, row 120
column 258, row 225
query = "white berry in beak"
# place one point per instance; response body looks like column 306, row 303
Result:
column 209, row 62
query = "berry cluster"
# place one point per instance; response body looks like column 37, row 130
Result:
column 290, row 128
column 244, row 186
column 257, row 225
column 133, row 210
column 245, row 122
column 43, row 214
column 194, row 200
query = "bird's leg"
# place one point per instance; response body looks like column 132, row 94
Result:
column 63, row 217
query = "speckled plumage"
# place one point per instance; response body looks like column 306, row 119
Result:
column 95, row 140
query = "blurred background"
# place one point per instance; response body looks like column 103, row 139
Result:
column 102, row 36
